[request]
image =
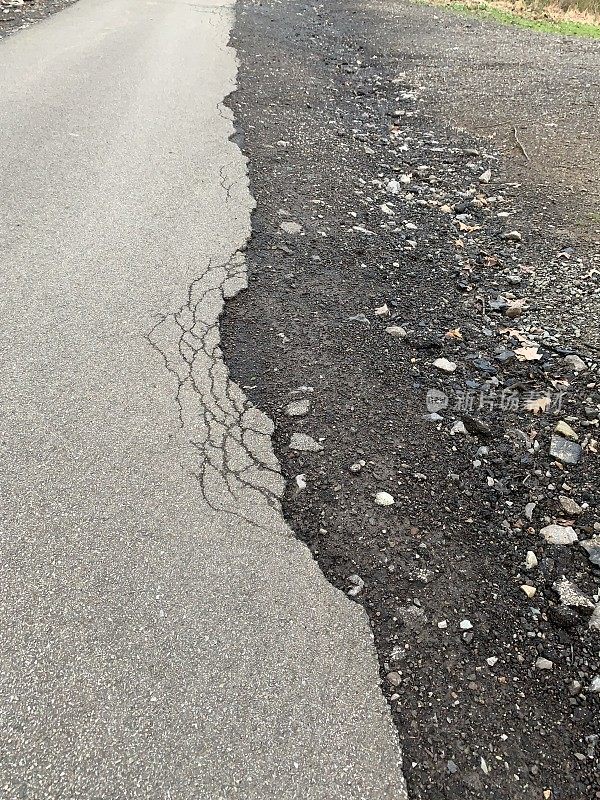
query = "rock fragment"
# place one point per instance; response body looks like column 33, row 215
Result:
column 445, row 365
column 570, row 594
column 304, row 443
column 564, row 450
column 570, row 506
column 298, row 408
column 544, row 663
column 559, row 534
column 396, row 331
column 592, row 548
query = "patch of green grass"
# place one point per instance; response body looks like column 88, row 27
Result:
column 486, row 11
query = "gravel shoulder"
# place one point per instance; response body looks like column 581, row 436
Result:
column 406, row 328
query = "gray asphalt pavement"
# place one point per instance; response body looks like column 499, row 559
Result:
column 162, row 633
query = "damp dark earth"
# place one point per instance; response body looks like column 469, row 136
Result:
column 421, row 323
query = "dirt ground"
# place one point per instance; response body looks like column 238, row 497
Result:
column 384, row 240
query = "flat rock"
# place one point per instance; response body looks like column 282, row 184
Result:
column 298, row 408
column 290, row 227
column 577, row 364
column 543, row 663
column 570, row 594
column 305, row 443
column 566, row 430
column 559, row 534
column 570, row 506
column 397, row 331
column 564, row 450
column 444, row 365
column 592, row 548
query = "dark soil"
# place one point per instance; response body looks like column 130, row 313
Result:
column 14, row 17
column 327, row 122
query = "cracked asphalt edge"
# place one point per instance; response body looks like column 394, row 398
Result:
column 228, row 440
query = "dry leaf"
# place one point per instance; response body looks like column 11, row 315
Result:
column 454, row 334
column 528, row 353
column 538, row 404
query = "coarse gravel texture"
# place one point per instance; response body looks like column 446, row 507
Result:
column 398, row 224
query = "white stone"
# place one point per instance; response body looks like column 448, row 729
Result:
column 384, row 499
column 444, row 365
column 559, row 534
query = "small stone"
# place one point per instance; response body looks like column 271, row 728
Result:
column 384, row 499
column 466, row 625
column 394, row 678
column 458, row 427
column 529, row 590
column 566, row 451
column 301, row 482
column 442, row 624
column 577, row 364
column 486, row 176
column 566, row 430
column 531, row 560
column 451, row 767
column 559, row 534
column 444, row 365
column 595, row 685
column 357, row 585
column 570, row 506
column 574, row 688
column 512, row 236
column 592, row 548
column 298, row 408
column 529, row 509
column 382, row 311
column 570, row 594
column 544, row 663
column 302, row 442
column 290, row 227
column 492, row 661
column 396, row 331
column 594, row 623
column 357, row 466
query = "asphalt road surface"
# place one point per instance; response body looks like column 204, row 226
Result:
column 163, row 634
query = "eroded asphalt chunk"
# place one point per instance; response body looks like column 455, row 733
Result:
column 444, row 472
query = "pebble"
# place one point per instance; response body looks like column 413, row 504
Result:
column 301, row 482
column 566, row 451
column 594, row 623
column 566, row 430
column 512, row 236
column 298, row 408
column 305, row 443
column 595, row 685
column 396, row 331
column 576, row 363
column 492, row 661
column 394, row 678
column 570, row 506
column 486, row 176
column 592, row 548
column 444, row 365
column 570, row 594
column 442, row 624
column 466, row 625
column 544, row 663
column 559, row 534
column 531, row 560
column 529, row 590
column 529, row 509
column 384, row 499
column 290, row 227
column 382, row 311
column 357, row 585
